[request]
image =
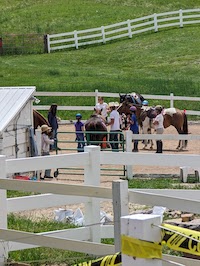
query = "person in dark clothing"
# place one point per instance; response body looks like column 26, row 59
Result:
column 79, row 128
column 134, row 126
column 53, row 121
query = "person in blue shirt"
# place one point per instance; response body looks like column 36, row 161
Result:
column 79, row 128
column 134, row 126
column 53, row 121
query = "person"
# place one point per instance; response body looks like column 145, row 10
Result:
column 134, row 126
column 45, row 146
column 158, row 124
column 79, row 128
column 103, row 106
column 53, row 122
column 114, row 126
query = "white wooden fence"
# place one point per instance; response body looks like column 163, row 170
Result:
column 103, row 34
column 172, row 98
column 85, row 239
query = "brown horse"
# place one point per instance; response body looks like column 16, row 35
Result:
column 39, row 119
column 172, row 117
column 94, row 124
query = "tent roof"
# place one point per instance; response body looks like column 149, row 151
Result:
column 12, row 101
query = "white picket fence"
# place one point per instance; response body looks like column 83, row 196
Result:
column 171, row 98
column 104, row 34
column 87, row 238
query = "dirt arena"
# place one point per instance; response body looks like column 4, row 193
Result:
column 68, row 145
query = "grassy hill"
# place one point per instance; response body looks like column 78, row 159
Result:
column 151, row 63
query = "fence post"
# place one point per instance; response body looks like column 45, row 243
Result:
column 181, row 18
column 92, row 177
column 129, row 28
column 140, row 227
column 120, row 208
column 3, row 211
column 155, row 22
column 76, row 39
column 171, row 100
column 103, row 34
column 96, row 96
column 129, row 144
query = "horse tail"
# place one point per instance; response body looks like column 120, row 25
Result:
column 185, row 127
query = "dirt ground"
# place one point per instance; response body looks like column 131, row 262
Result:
column 74, row 176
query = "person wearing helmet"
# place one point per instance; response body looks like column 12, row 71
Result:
column 79, row 128
column 134, row 126
column 158, row 124
column 145, row 103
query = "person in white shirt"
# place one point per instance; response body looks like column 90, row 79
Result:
column 114, row 126
column 158, row 125
column 103, row 106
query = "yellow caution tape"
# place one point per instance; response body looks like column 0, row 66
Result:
column 189, row 243
column 110, row 260
column 140, row 249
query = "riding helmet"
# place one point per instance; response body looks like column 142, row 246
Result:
column 133, row 108
column 78, row 115
column 145, row 102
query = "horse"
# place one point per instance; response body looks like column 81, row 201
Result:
column 134, row 98
column 172, row 117
column 93, row 124
column 39, row 119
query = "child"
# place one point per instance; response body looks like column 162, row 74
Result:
column 134, row 126
column 79, row 127
column 45, row 146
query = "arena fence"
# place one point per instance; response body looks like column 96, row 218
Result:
column 171, row 98
column 121, row 30
column 87, row 239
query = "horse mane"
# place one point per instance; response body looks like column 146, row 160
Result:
column 39, row 119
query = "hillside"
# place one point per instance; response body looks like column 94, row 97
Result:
column 151, row 63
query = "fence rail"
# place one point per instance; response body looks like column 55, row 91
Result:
column 172, row 98
column 85, row 239
column 104, row 34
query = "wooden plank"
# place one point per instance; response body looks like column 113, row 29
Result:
column 60, row 189
column 43, row 162
column 52, row 242
column 173, row 203
column 150, row 159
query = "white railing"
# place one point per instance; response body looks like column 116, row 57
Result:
column 172, row 98
column 85, row 239
column 103, row 34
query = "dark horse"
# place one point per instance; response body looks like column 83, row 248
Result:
column 39, row 119
column 172, row 117
column 98, row 130
column 134, row 98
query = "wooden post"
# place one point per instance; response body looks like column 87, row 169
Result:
column 92, row 177
column 120, row 208
column 96, row 96
column 3, row 211
column 181, row 18
column 129, row 28
column 140, row 226
column 38, row 144
column 76, row 39
column 129, row 145
column 103, row 34
column 155, row 23
column 171, row 100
